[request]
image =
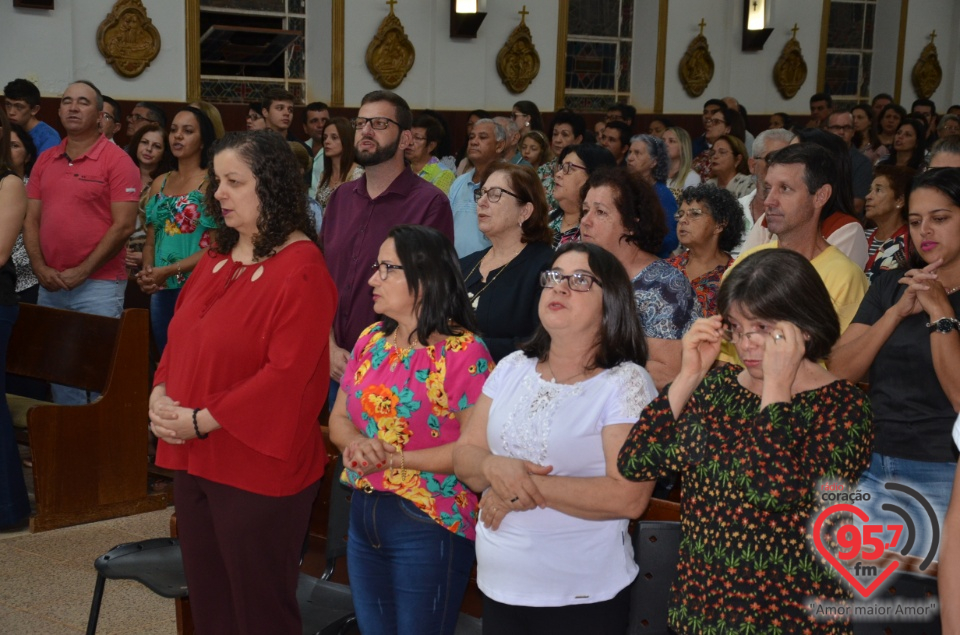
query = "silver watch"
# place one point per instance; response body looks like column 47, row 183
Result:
column 944, row 325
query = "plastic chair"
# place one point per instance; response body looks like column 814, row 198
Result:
column 326, row 608
column 656, row 547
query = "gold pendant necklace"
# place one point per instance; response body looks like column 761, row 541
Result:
column 475, row 297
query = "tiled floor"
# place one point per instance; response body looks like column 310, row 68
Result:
column 47, row 579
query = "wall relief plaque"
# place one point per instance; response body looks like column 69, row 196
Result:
column 696, row 66
column 790, row 71
column 927, row 73
column 390, row 54
column 518, row 62
column 127, row 38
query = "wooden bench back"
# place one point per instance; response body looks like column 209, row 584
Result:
column 63, row 347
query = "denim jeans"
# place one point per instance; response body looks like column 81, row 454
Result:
column 408, row 573
column 934, row 481
column 162, row 304
column 14, row 504
column 99, row 297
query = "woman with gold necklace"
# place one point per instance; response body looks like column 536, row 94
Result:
column 503, row 280
column 405, row 390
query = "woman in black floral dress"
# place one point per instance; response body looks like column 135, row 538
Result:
column 752, row 445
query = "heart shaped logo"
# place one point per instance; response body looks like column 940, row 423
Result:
column 864, row 591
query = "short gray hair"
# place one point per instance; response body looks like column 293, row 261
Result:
column 509, row 125
column 499, row 133
column 777, row 134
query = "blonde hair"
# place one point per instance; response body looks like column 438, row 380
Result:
column 686, row 156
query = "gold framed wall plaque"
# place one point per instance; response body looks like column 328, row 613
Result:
column 518, row 62
column 390, row 54
column 790, row 71
column 927, row 73
column 696, row 66
column 127, row 38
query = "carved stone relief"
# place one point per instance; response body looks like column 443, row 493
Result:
column 127, row 38
column 390, row 54
column 518, row 62
column 696, row 66
column 790, row 71
column 927, row 73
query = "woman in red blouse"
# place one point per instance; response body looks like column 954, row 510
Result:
column 239, row 389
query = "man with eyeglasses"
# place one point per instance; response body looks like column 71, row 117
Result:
column 710, row 108
column 361, row 213
column 23, row 104
column 926, row 111
column 143, row 113
column 110, row 118
column 840, row 123
column 485, row 144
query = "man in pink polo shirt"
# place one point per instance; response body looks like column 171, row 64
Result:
column 82, row 207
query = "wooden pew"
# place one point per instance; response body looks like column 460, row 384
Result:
column 89, row 461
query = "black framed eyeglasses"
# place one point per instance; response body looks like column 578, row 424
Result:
column 577, row 281
column 377, row 123
column 137, row 118
column 384, row 269
column 493, row 194
column 565, row 168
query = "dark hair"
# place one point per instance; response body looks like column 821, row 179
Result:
column 348, row 155
column 944, row 180
column 479, row 113
column 780, row 284
column 208, row 135
column 6, row 159
column 432, row 271
column 657, row 150
column 738, row 149
column 641, row 213
column 432, row 127
column 666, row 121
column 116, row 107
column 858, row 140
column 444, row 147
column 822, row 97
column 880, row 96
column 622, row 129
column 818, row 166
column 28, row 145
column 279, row 187
column 256, row 107
column 786, row 119
column 738, row 127
column 841, row 198
column 924, row 102
column 592, row 155
column 167, row 161
column 715, row 102
column 626, row 111
column 572, row 119
column 403, row 115
column 546, row 152
column 725, row 210
column 276, row 93
column 918, row 155
column 877, row 125
column 899, row 177
column 524, row 182
column 530, row 109
column 22, row 89
column 620, row 337
column 155, row 110
column 313, row 106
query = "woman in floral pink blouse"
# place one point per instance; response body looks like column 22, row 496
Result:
column 404, row 392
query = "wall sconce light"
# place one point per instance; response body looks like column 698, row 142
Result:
column 465, row 18
column 754, row 20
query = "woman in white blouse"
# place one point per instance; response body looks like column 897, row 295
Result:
column 542, row 446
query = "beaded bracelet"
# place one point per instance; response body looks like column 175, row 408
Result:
column 196, row 428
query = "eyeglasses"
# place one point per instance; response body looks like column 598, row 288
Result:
column 106, row 115
column 377, row 123
column 838, row 128
column 693, row 212
column 564, row 168
column 419, row 139
column 717, row 121
column 385, row 268
column 575, row 281
column 137, row 118
column 493, row 194
column 753, row 337
column 252, row 116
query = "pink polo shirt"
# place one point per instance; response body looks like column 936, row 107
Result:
column 76, row 195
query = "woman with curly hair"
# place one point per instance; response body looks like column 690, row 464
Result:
column 621, row 213
column 710, row 225
column 239, row 388
column 406, row 390
column 178, row 225
column 887, row 122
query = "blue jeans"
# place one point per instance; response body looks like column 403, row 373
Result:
column 934, row 481
column 99, row 297
column 162, row 304
column 14, row 504
column 408, row 573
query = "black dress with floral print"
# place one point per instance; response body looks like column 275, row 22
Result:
column 747, row 563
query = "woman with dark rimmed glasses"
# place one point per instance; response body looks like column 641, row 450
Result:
column 542, row 446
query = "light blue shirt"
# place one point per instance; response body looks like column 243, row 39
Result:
column 468, row 238
column 317, row 169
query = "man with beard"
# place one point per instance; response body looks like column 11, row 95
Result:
column 361, row 213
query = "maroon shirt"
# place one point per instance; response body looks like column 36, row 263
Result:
column 354, row 227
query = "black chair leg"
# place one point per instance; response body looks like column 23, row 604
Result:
column 95, row 605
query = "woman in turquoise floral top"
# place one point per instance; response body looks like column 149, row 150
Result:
column 178, row 224
column 405, row 389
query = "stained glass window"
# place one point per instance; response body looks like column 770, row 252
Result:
column 849, row 50
column 597, row 69
column 231, row 78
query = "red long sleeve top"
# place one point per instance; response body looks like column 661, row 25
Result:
column 250, row 343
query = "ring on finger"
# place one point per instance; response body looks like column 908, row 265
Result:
column 777, row 337
column 514, row 499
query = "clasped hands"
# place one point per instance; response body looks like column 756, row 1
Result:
column 171, row 422
column 512, row 488
column 151, row 279
column 366, row 456
column 924, row 292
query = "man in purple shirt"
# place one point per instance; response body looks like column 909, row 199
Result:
column 361, row 213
